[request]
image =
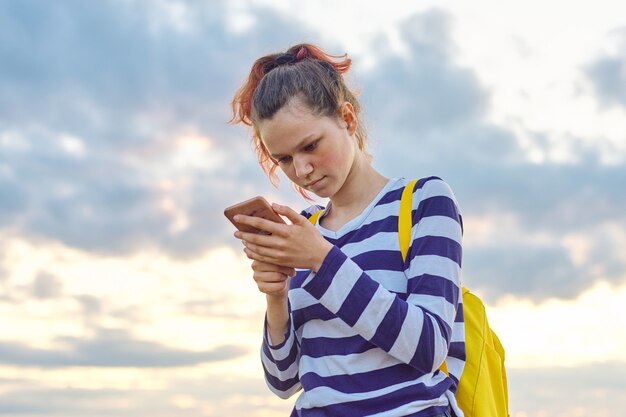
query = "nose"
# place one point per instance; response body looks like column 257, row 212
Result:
column 302, row 166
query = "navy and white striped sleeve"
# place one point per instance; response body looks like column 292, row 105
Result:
column 280, row 363
column 415, row 331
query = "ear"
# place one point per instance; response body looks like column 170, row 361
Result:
column 348, row 116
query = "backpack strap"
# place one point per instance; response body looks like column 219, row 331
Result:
column 405, row 218
column 314, row 216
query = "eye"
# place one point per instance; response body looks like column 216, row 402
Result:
column 311, row 146
column 283, row 160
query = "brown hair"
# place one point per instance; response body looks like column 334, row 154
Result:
column 304, row 71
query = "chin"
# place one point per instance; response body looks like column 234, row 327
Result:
column 323, row 194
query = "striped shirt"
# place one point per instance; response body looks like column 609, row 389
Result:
column 368, row 332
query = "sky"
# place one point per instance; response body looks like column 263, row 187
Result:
column 122, row 289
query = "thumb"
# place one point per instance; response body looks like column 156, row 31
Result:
column 289, row 213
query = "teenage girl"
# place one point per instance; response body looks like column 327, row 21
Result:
column 349, row 323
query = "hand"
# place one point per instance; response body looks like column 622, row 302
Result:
column 295, row 245
column 271, row 279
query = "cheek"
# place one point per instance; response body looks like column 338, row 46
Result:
column 341, row 157
column 335, row 161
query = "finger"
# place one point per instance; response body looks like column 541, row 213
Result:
column 254, row 238
column 265, row 245
column 266, row 267
column 273, row 287
column 258, row 249
column 269, row 277
column 294, row 217
column 259, row 257
column 256, row 241
column 258, row 223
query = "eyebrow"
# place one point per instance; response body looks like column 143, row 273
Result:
column 299, row 145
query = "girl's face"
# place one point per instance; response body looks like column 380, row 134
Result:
column 316, row 153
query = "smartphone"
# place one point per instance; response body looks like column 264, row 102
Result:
column 256, row 206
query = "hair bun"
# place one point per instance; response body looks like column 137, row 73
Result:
column 284, row 59
column 302, row 53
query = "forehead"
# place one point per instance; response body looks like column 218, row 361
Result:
column 290, row 125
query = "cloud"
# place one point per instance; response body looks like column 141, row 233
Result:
column 550, row 203
column 118, row 73
column 172, row 395
column 46, row 285
column 422, row 89
column 537, row 275
column 32, row 398
column 95, row 100
column 430, row 116
column 608, row 73
column 111, row 349
column 109, row 59
column 595, row 389
column 91, row 306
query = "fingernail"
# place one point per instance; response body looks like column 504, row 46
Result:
column 236, row 218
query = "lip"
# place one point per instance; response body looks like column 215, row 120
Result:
column 312, row 184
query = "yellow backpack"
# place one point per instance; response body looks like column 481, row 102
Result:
column 482, row 389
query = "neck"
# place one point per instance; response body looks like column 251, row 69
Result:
column 361, row 186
